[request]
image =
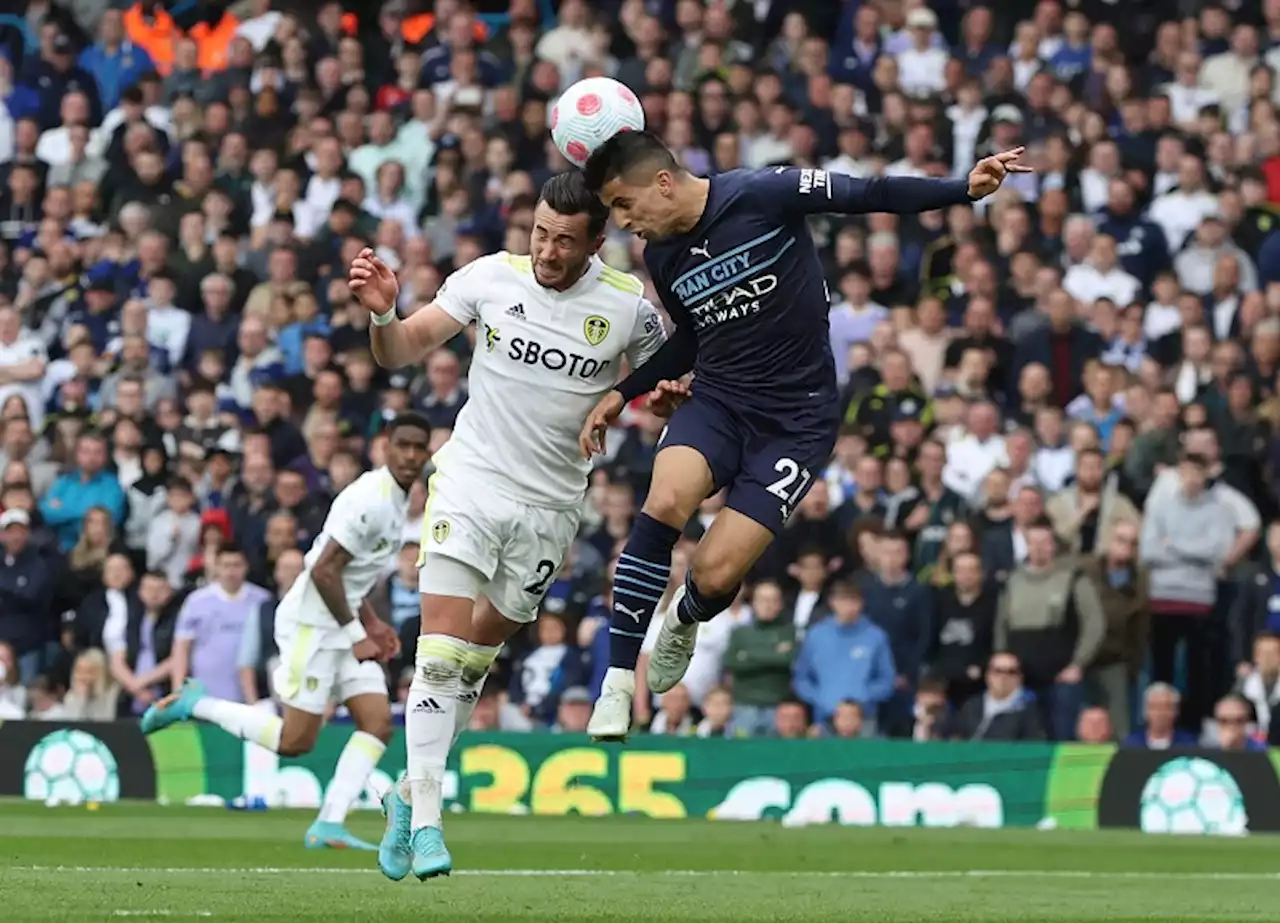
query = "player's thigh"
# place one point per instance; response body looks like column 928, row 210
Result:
column 448, row 589
column 307, row 670
column 489, row 627
column 700, row 452
column 463, row 532
column 778, row 472
column 537, row 545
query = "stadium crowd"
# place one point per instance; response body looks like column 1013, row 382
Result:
column 1051, row 512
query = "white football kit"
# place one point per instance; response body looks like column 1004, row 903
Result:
column 316, row 663
column 508, row 489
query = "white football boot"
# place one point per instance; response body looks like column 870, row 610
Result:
column 611, row 716
column 673, row 650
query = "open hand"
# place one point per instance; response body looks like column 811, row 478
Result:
column 372, row 282
column 666, row 397
column 591, row 439
column 987, row 175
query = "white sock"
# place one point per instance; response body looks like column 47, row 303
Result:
column 358, row 759
column 471, row 684
column 244, row 721
column 429, row 721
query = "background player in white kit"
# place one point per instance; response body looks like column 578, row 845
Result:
column 552, row 330
column 330, row 640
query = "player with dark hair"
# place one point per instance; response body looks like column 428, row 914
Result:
column 733, row 263
column 329, row 637
column 552, row 331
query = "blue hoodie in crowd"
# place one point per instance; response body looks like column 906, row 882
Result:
column 839, row 662
column 905, row 612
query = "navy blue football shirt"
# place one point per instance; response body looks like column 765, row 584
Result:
column 747, row 283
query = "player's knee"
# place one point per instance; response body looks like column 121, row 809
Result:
column 668, row 503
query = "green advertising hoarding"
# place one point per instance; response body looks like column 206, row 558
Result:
column 861, row 782
column 807, row 781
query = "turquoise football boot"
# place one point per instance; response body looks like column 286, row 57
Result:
column 175, row 707
column 328, row 835
column 430, row 857
column 394, row 855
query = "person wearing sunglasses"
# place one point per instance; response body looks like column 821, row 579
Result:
column 1006, row 711
column 1233, row 715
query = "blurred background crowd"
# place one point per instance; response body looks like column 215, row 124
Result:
column 1051, row 512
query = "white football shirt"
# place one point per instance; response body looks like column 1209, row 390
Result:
column 542, row 360
column 367, row 519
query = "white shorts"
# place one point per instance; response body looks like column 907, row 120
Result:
column 516, row 548
column 315, row 667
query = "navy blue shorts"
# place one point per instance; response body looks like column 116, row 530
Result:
column 767, row 460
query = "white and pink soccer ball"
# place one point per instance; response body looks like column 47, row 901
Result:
column 591, row 112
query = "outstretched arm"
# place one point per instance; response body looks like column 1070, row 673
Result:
column 395, row 342
column 817, row 192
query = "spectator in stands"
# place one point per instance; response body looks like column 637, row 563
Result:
column 89, row 486
column 210, row 625
column 27, row 585
column 1006, row 711
column 759, row 659
column 1094, row 727
column 13, row 695
column 138, row 638
column 718, row 715
column 1187, row 535
column 675, row 714
column 964, row 627
column 1260, row 687
column 903, row 609
column 258, row 655
column 845, row 657
column 791, row 720
column 92, row 695
column 1160, row 705
column 572, row 712
column 1051, row 619
column 1121, row 583
column 174, row 534
column 1085, row 514
column 1232, row 717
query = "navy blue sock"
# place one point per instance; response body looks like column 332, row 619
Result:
column 696, row 606
column 638, row 585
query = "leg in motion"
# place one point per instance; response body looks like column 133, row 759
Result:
column 450, row 590
column 681, row 480
column 724, row 556
column 371, row 711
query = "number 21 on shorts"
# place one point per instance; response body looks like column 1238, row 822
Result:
column 790, row 486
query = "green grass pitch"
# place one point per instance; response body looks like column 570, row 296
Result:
column 130, row 861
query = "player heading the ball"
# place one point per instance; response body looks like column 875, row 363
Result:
column 733, row 263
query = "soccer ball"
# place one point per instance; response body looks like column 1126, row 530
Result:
column 70, row 767
column 591, row 112
column 1193, row 795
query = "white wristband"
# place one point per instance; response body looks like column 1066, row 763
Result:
column 381, row 320
column 354, row 632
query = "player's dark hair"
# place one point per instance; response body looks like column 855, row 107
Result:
column 567, row 194
column 416, row 420
column 625, row 152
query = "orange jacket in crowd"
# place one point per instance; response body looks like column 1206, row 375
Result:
column 159, row 34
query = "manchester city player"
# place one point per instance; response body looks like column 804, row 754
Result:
column 733, row 262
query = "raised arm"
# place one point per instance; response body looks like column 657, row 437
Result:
column 818, row 192
column 396, row 343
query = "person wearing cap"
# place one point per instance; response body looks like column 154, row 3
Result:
column 55, row 73
column 27, row 580
column 922, row 67
column 573, row 712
